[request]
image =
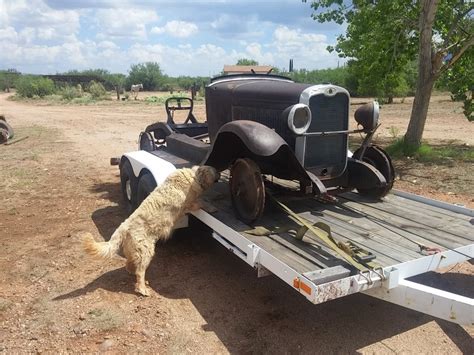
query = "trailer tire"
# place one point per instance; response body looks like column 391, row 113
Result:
column 128, row 186
column 146, row 185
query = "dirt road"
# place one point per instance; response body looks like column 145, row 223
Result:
column 58, row 183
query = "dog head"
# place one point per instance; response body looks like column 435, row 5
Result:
column 205, row 176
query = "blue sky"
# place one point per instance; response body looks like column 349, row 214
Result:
column 184, row 37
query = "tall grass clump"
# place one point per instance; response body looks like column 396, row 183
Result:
column 70, row 92
column 97, row 90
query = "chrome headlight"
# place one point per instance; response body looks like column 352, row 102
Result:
column 299, row 118
column 368, row 115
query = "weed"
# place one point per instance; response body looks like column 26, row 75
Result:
column 427, row 153
column 394, row 131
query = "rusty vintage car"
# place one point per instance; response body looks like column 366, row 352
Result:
column 262, row 127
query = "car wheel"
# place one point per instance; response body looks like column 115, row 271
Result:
column 247, row 190
column 380, row 160
column 146, row 142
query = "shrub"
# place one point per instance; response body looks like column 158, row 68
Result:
column 70, row 92
column 97, row 90
column 31, row 86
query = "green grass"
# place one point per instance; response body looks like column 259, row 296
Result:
column 431, row 153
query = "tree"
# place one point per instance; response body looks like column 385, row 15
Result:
column 384, row 36
column 149, row 74
column 8, row 78
column 245, row 61
column 459, row 81
column 117, row 81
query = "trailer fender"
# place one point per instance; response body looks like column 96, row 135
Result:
column 142, row 160
column 248, row 139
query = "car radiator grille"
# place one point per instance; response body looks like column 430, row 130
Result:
column 326, row 155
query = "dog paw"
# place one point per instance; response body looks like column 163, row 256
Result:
column 144, row 291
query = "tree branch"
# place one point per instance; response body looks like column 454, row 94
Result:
column 457, row 55
column 455, row 24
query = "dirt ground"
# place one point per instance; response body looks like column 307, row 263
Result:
column 58, row 183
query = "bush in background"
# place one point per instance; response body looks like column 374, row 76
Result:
column 97, row 90
column 70, row 92
column 31, row 86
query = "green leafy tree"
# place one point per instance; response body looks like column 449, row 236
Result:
column 149, row 74
column 117, row 81
column 245, row 61
column 384, row 36
column 459, row 80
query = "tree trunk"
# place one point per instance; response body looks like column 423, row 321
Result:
column 117, row 90
column 428, row 70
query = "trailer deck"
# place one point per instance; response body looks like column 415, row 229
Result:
column 390, row 229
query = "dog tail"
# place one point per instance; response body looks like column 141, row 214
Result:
column 101, row 249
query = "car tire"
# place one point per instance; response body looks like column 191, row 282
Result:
column 380, row 160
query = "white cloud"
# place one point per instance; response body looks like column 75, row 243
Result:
column 8, row 34
column 37, row 38
column 254, row 50
column 307, row 49
column 35, row 14
column 180, row 29
column 124, row 22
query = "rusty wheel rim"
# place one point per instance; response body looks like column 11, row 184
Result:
column 247, row 190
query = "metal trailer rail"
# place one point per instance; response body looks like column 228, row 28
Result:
column 392, row 230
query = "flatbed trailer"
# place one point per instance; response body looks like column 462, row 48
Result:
column 408, row 234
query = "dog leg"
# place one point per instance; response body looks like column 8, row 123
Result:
column 140, row 286
column 141, row 267
column 130, row 267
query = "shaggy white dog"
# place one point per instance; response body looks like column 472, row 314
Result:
column 154, row 220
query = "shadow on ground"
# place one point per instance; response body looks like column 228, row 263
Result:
column 107, row 219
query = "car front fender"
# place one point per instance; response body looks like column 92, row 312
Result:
column 249, row 139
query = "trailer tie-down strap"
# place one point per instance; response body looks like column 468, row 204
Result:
column 353, row 254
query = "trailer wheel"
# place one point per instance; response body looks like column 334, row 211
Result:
column 380, row 160
column 146, row 185
column 128, row 187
